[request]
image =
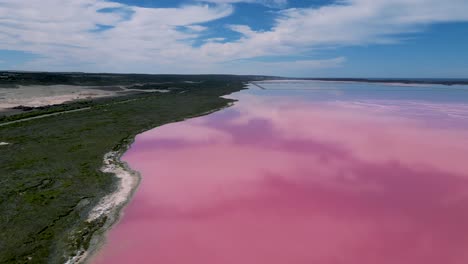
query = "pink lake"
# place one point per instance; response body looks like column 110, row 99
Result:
column 304, row 173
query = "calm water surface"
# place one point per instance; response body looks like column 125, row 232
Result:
column 304, row 172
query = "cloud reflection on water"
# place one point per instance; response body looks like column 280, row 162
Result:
column 280, row 179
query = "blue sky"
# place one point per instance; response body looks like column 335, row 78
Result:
column 316, row 38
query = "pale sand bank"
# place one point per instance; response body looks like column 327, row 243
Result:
column 110, row 205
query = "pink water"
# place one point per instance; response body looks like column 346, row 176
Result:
column 288, row 180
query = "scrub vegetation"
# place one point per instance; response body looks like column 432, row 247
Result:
column 50, row 174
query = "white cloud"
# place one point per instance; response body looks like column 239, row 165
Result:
column 301, row 68
column 140, row 39
column 270, row 3
column 196, row 28
column 215, row 40
column 351, row 22
column 64, row 34
column 243, row 29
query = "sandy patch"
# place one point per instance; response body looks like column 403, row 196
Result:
column 41, row 95
column 148, row 90
column 38, row 95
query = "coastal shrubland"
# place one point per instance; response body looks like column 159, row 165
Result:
column 51, row 169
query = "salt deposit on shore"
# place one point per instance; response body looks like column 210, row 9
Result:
column 127, row 181
column 110, row 205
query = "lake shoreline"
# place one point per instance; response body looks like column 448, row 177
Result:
column 281, row 173
column 110, row 206
column 127, row 180
column 60, row 197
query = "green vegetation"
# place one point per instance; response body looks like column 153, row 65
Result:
column 29, row 112
column 50, row 171
column 13, row 79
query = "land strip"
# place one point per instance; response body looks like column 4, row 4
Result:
column 51, row 174
column 43, row 116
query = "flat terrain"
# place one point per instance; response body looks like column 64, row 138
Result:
column 51, row 154
column 50, row 165
column 42, row 95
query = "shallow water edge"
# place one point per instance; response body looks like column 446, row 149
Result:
column 110, row 207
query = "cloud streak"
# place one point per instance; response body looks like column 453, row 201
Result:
column 269, row 3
